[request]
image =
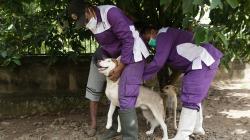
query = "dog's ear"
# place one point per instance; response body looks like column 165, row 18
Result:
column 118, row 58
column 115, row 61
column 175, row 88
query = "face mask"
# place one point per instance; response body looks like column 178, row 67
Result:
column 152, row 43
column 91, row 24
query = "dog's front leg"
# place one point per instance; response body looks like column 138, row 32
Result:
column 119, row 125
column 175, row 109
column 110, row 115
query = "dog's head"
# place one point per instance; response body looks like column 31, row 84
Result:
column 169, row 89
column 107, row 65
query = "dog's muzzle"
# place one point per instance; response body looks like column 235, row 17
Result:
column 100, row 68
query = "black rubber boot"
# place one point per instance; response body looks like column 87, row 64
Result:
column 129, row 124
column 112, row 132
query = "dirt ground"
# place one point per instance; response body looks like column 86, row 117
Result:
column 226, row 117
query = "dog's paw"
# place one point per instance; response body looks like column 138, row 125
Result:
column 165, row 139
column 109, row 124
column 149, row 132
column 119, row 125
column 119, row 129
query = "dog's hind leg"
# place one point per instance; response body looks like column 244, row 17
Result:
column 110, row 115
column 159, row 117
column 154, row 123
column 150, row 118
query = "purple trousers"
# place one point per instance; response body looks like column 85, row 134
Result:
column 129, row 84
column 195, row 85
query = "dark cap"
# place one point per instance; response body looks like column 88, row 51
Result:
column 76, row 12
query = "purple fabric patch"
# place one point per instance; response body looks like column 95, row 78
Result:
column 196, row 83
column 118, row 39
column 120, row 28
column 129, row 84
column 166, row 52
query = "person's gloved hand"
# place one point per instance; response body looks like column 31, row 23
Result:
column 116, row 72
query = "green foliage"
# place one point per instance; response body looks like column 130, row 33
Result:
column 41, row 26
column 233, row 3
column 37, row 27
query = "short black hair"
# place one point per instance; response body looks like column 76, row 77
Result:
column 78, row 7
column 148, row 29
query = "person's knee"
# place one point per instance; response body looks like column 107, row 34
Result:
column 127, row 103
column 194, row 106
column 192, row 100
column 93, row 98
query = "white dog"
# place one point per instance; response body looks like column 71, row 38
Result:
column 149, row 101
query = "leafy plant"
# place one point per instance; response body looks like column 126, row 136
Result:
column 29, row 27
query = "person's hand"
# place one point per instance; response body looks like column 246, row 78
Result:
column 116, row 72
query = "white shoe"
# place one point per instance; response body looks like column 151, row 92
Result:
column 198, row 129
column 186, row 124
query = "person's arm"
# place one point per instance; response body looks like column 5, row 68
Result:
column 120, row 27
column 164, row 43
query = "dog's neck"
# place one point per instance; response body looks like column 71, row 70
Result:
column 111, row 82
column 107, row 78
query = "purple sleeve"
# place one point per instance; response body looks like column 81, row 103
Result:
column 120, row 27
column 104, row 53
column 163, row 48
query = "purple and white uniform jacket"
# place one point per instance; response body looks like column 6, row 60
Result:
column 176, row 48
column 117, row 36
column 199, row 63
